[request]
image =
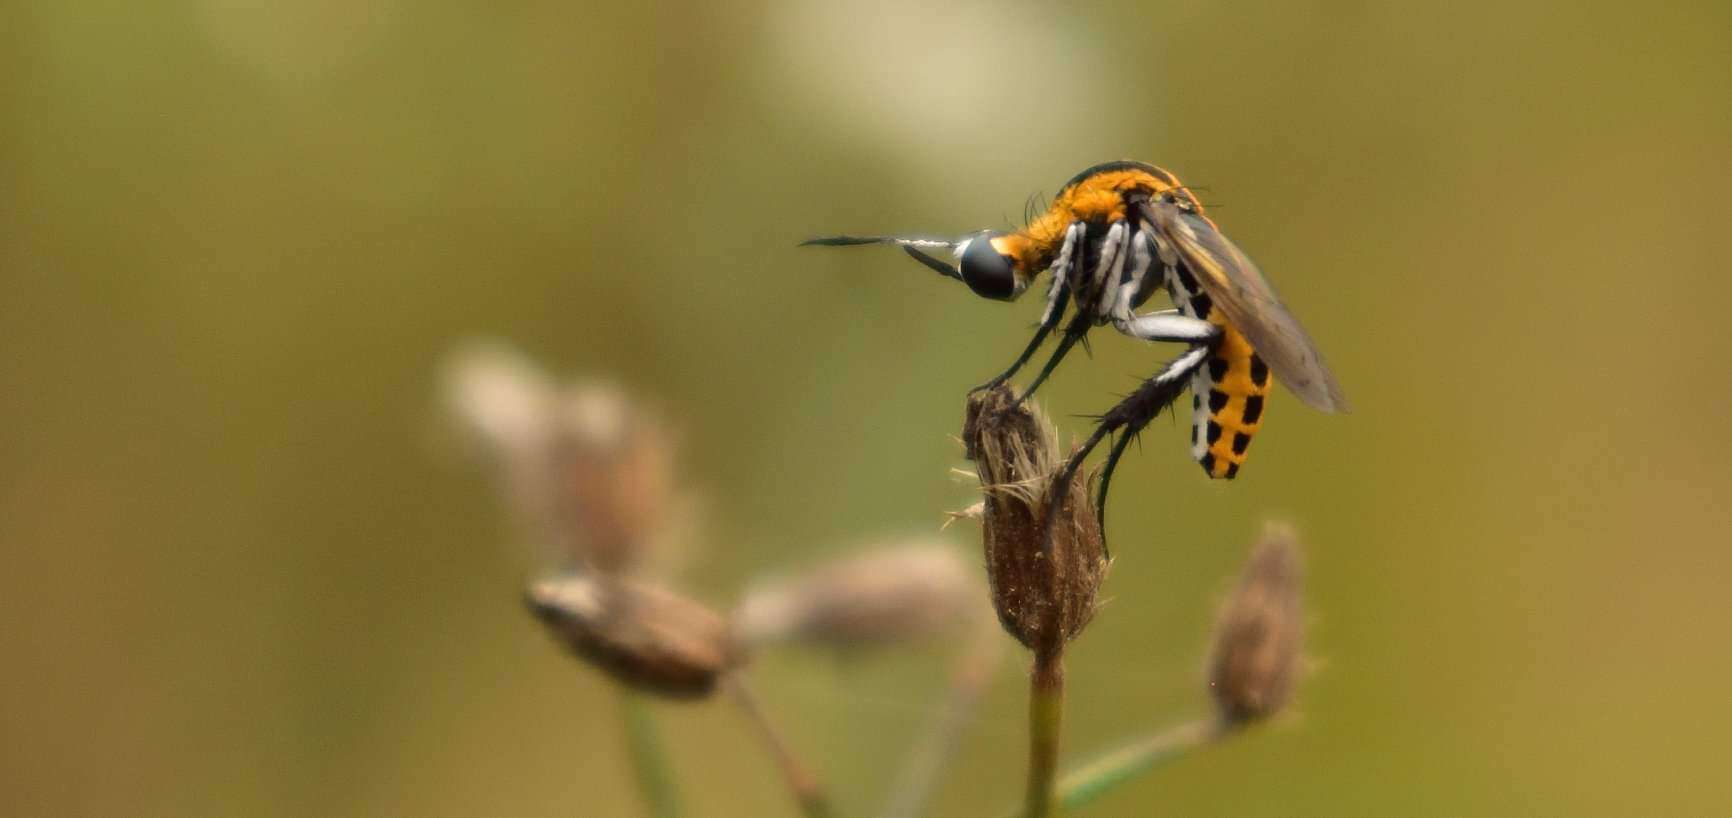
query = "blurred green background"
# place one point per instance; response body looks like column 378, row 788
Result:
column 241, row 574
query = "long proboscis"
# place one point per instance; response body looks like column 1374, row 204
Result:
column 910, row 245
column 901, row 241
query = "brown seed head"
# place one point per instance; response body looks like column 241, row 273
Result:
column 1259, row 635
column 504, row 406
column 613, row 476
column 644, row 636
column 587, row 471
column 884, row 596
column 500, row 398
column 1043, row 599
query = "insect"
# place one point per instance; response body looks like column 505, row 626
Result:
column 1112, row 236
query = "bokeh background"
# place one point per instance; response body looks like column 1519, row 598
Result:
column 241, row 572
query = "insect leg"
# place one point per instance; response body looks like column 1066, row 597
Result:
column 1134, row 285
column 1060, row 296
column 1119, row 445
column 1168, row 325
column 1130, row 416
column 1057, row 297
column 1086, row 288
column 1060, row 271
column 1114, row 253
column 1080, row 323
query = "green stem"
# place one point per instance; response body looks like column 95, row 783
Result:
column 1108, row 770
column 1083, row 784
column 649, row 759
column 1045, row 723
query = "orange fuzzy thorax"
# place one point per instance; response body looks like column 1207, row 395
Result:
column 1097, row 198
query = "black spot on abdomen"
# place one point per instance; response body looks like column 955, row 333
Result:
column 1253, row 408
column 1259, row 372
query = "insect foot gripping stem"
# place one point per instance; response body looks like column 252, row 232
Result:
column 1043, row 597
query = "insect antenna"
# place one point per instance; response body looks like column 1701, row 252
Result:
column 1035, row 206
column 943, row 269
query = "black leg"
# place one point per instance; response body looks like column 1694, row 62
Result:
column 1056, row 299
column 1128, row 417
column 1080, row 323
column 1119, row 446
column 1053, row 313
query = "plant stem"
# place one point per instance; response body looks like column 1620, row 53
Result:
column 1045, row 723
column 649, row 759
column 1100, row 774
column 802, row 783
column 920, row 774
column 1083, row 784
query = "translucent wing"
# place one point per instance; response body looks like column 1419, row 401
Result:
column 1239, row 290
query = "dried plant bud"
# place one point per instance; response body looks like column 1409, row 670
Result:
column 587, row 472
column 615, row 466
column 505, row 406
column 642, row 635
column 499, row 398
column 1043, row 599
column 884, row 596
column 1259, row 635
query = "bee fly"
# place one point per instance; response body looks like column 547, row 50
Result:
column 1114, row 234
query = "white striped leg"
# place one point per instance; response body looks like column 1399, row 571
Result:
column 1106, row 298
column 1141, row 266
column 1060, row 272
column 1098, row 289
column 1169, row 325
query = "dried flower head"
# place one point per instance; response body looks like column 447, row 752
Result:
column 502, row 399
column 1043, row 598
column 504, row 405
column 587, row 471
column 1259, row 635
column 884, row 596
column 613, row 462
column 643, row 635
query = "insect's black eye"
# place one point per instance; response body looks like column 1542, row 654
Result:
column 989, row 273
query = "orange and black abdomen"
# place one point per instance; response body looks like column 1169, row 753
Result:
column 1229, row 392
